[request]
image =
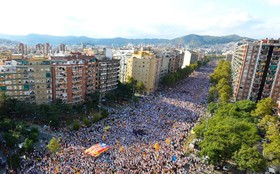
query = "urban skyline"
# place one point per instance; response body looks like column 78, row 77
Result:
column 144, row 19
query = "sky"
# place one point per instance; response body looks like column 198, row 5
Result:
column 166, row 19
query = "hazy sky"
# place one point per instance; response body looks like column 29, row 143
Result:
column 141, row 18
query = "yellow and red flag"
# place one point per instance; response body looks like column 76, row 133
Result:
column 97, row 149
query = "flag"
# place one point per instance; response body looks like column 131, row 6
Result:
column 167, row 140
column 156, row 146
column 121, row 149
column 97, row 149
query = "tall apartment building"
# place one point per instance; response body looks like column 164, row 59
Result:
column 171, row 61
column 91, row 68
column 255, row 70
column 68, row 81
column 189, row 57
column 108, row 74
column 144, row 67
column 28, row 81
column 43, row 48
column 22, row 49
column 123, row 56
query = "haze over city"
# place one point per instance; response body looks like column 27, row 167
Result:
column 141, row 19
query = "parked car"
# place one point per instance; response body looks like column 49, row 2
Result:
column 227, row 167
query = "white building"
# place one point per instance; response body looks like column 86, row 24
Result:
column 123, row 56
column 189, row 57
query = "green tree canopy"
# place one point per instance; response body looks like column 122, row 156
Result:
column 140, row 87
column 76, row 125
column 264, row 107
column 54, row 145
column 28, row 145
column 249, row 158
column 224, row 133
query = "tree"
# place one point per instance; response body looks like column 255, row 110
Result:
column 140, row 87
column 54, row 145
column 272, row 151
column 86, row 122
column 250, row 158
column 271, row 125
column 10, row 139
column 104, row 113
column 76, row 125
column 28, row 145
column 95, row 117
column 212, row 107
column 212, row 95
column 224, row 97
column 34, row 134
column 264, row 107
column 226, row 131
column 245, row 105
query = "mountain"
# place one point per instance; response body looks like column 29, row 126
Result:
column 191, row 40
column 7, row 41
column 199, row 40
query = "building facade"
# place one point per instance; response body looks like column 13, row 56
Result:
column 28, row 81
column 68, row 81
column 144, row 67
column 189, row 57
column 255, row 70
column 108, row 75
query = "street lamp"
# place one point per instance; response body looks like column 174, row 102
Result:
column 49, row 123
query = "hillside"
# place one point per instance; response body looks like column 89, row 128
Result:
column 190, row 40
column 199, row 40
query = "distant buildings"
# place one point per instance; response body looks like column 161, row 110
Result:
column 255, row 70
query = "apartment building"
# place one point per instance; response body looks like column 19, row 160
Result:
column 122, row 55
column 170, row 61
column 108, row 74
column 189, row 57
column 144, row 67
column 5, row 55
column 91, row 68
column 68, row 81
column 255, row 70
column 27, row 81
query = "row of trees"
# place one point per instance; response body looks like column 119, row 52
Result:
column 221, row 89
column 233, row 134
column 51, row 114
column 18, row 138
column 15, row 133
column 235, row 130
column 171, row 79
column 269, row 124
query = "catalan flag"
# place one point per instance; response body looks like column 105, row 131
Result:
column 97, row 149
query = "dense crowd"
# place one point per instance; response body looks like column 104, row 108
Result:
column 164, row 118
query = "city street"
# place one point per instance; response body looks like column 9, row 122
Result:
column 134, row 129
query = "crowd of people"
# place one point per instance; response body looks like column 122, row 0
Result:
column 145, row 137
